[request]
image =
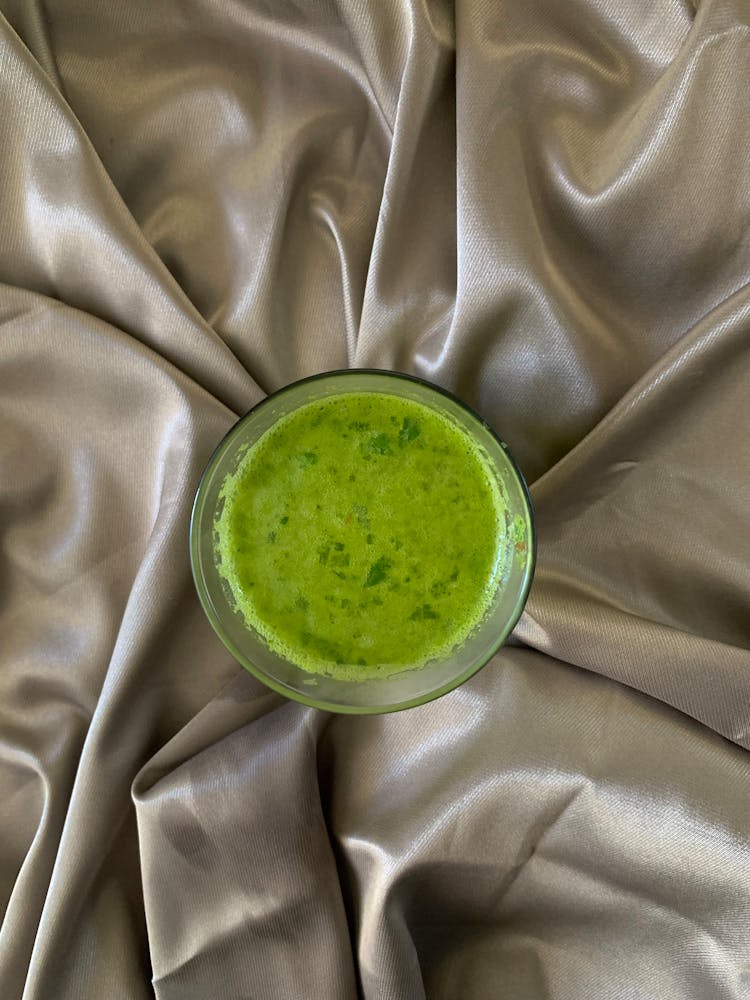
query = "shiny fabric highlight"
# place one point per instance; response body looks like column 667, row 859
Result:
column 541, row 207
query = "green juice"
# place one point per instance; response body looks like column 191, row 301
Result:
column 363, row 534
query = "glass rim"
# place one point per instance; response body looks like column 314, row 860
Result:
column 272, row 682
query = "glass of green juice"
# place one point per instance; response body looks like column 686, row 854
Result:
column 362, row 541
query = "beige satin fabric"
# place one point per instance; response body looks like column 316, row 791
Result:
column 544, row 207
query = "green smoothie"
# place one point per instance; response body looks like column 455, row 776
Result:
column 362, row 534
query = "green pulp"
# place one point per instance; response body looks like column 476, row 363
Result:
column 362, row 534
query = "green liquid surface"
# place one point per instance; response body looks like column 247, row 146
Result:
column 362, row 534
